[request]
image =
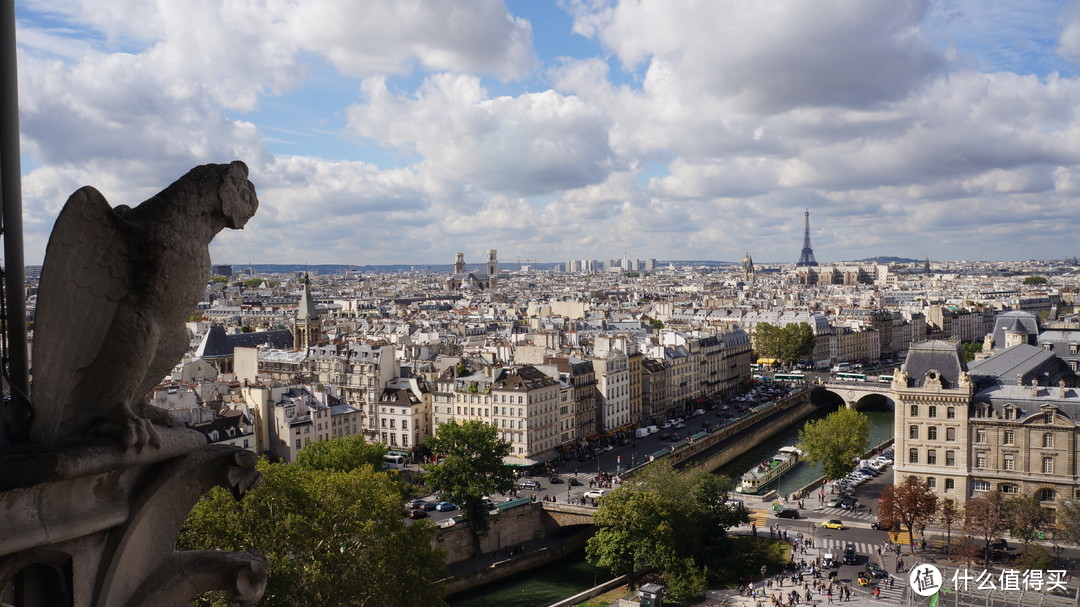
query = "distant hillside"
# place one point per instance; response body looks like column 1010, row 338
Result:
column 888, row 260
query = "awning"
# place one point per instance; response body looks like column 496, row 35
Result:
column 529, row 461
column 593, row 437
column 767, row 361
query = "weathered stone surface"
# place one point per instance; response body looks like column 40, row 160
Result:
column 89, row 516
column 116, row 288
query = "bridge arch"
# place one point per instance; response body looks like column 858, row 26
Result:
column 861, row 396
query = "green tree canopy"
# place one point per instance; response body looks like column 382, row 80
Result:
column 469, row 466
column 1034, row 280
column 970, row 348
column 218, row 278
column 786, row 344
column 666, row 519
column 1025, row 517
column 330, row 538
column 836, row 441
column 911, row 504
column 341, row 454
column 1068, row 522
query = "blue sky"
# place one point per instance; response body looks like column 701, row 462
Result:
column 404, row 131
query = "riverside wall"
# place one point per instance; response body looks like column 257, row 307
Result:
column 530, row 524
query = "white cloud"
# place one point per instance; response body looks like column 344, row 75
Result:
column 534, row 143
column 765, row 57
column 1069, row 41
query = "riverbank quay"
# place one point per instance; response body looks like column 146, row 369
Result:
column 535, row 533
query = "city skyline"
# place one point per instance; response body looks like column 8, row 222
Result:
column 402, row 133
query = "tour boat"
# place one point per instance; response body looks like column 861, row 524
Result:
column 769, row 470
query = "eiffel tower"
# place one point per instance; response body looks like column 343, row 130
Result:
column 806, row 259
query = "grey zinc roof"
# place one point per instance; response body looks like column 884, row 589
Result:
column 942, row 356
column 217, row 344
column 1005, row 319
column 1028, row 362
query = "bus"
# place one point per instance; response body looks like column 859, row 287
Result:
column 851, row 376
column 885, row 379
column 393, row 461
column 789, row 377
column 755, row 367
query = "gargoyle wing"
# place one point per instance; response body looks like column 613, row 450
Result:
column 83, row 280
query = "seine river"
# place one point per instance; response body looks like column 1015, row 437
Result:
column 554, row 582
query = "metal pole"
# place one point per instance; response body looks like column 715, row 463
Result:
column 17, row 364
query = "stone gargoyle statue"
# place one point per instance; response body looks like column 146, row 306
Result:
column 116, row 287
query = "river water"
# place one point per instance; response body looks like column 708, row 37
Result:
column 554, row 582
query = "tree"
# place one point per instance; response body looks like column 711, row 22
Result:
column 656, row 323
column 984, row 518
column 788, row 344
column 970, row 349
column 670, row 520
column 1033, row 557
column 218, row 278
column 342, row 454
column 911, row 504
column 461, row 370
column 1068, row 522
column 836, row 441
column 949, row 515
column 1025, row 517
column 469, row 467
column 1034, row 280
column 330, row 538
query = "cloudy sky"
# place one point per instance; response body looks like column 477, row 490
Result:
column 403, row 131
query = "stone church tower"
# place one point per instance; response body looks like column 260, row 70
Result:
column 749, row 275
column 459, row 263
column 492, row 266
column 306, row 325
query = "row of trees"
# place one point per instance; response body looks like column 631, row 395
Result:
column 912, row 505
column 786, row 344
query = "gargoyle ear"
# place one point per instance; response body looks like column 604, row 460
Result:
column 238, row 200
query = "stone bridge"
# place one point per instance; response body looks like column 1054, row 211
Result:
column 567, row 515
column 856, row 394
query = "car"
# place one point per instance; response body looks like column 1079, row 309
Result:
column 417, row 504
column 834, row 501
column 594, row 494
column 833, row 524
column 428, row 506
column 787, row 513
column 574, row 482
column 555, row 480
column 848, row 503
column 417, row 514
column 873, row 570
column 680, row 425
column 850, row 556
column 528, row 484
column 445, row 506
column 665, row 436
column 999, row 544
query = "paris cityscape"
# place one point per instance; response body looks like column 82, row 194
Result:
column 602, row 303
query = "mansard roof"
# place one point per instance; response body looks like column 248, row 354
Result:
column 941, row 356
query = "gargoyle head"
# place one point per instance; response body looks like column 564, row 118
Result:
column 238, row 199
